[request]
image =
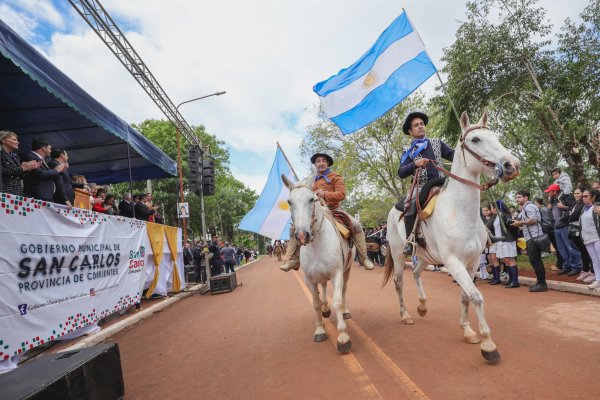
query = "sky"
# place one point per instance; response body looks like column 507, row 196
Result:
column 266, row 55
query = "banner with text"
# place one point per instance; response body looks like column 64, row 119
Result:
column 61, row 270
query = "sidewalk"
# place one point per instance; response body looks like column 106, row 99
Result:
column 568, row 287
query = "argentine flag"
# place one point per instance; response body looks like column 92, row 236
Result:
column 392, row 69
column 271, row 216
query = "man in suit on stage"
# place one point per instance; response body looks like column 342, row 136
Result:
column 40, row 183
column 64, row 193
column 126, row 206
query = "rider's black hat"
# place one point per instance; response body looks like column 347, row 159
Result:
column 327, row 157
column 412, row 116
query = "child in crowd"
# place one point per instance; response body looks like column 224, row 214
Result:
column 562, row 180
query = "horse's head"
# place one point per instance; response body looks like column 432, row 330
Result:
column 482, row 151
column 302, row 206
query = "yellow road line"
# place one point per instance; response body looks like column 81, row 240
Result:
column 358, row 373
column 398, row 374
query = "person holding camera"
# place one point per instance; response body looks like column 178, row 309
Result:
column 529, row 221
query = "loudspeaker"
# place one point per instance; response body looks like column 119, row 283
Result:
column 93, row 373
column 195, row 165
column 223, row 283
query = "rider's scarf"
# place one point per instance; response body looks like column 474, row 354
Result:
column 417, row 146
column 324, row 175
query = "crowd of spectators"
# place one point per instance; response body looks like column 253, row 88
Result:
column 43, row 173
column 567, row 223
column 222, row 257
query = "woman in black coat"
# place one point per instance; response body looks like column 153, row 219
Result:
column 12, row 169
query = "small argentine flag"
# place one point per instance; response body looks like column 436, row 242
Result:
column 392, row 69
column 271, row 216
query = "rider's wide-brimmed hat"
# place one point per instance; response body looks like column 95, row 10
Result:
column 327, row 157
column 410, row 117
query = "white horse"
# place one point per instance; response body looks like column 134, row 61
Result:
column 324, row 256
column 455, row 234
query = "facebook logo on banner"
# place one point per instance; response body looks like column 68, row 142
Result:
column 23, row 309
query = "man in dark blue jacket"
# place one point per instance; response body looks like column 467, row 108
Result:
column 418, row 155
column 40, row 183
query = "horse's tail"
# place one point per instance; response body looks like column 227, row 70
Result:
column 389, row 267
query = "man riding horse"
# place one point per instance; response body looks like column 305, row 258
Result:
column 418, row 155
column 330, row 187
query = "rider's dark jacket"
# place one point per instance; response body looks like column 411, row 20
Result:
column 435, row 150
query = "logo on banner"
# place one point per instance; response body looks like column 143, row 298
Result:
column 22, row 308
column 136, row 260
column 92, row 292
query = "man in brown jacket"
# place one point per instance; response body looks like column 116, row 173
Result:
column 330, row 187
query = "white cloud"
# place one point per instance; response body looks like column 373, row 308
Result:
column 266, row 54
column 22, row 24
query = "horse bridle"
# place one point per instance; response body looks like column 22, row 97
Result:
column 484, row 161
column 313, row 220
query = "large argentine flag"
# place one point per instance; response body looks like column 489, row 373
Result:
column 392, row 69
column 271, row 216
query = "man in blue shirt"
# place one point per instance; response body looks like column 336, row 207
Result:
column 418, row 155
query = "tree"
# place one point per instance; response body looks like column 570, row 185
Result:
column 224, row 210
column 503, row 60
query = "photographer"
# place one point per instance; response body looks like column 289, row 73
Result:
column 529, row 222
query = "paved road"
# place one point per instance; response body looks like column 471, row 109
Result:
column 256, row 343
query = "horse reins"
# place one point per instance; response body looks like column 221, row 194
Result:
column 436, row 165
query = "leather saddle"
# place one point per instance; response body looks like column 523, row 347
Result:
column 427, row 197
column 343, row 223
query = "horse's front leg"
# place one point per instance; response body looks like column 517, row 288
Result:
column 325, row 311
column 343, row 340
column 417, row 269
column 320, row 333
column 469, row 334
column 462, row 277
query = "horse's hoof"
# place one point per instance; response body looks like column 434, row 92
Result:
column 473, row 340
column 493, row 357
column 326, row 314
column 347, row 315
column 320, row 337
column 422, row 311
column 344, row 348
column 407, row 321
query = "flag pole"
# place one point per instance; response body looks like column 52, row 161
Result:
column 288, row 161
column 436, row 70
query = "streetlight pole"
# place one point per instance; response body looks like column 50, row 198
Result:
column 181, row 196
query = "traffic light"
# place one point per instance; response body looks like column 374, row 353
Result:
column 194, row 162
column 208, row 177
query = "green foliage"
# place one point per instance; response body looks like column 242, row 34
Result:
column 542, row 93
column 223, row 211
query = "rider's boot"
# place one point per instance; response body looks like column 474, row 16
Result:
column 361, row 249
column 292, row 255
column 409, row 222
